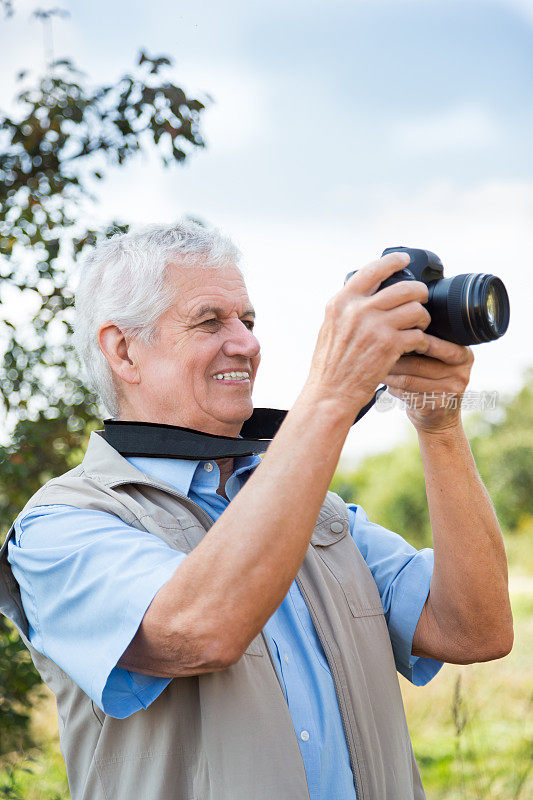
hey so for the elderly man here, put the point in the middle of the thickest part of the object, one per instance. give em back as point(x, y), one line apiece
point(226, 629)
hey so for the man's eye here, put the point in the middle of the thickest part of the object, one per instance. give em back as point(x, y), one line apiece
point(213, 322)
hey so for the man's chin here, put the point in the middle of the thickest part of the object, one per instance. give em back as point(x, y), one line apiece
point(235, 419)
point(223, 420)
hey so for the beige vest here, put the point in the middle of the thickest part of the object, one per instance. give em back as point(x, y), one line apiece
point(228, 735)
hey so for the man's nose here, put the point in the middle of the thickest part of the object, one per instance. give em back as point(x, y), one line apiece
point(241, 341)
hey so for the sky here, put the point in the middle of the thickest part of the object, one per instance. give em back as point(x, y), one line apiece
point(336, 128)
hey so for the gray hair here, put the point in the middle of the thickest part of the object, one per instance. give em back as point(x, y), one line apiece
point(123, 281)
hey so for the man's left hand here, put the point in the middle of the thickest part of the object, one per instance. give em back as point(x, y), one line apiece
point(432, 385)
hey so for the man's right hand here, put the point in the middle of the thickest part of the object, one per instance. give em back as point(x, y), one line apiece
point(365, 331)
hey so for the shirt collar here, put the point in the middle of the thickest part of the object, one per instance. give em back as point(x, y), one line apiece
point(180, 473)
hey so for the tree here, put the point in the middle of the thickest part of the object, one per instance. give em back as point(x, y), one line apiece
point(504, 453)
point(391, 488)
point(7, 5)
point(54, 153)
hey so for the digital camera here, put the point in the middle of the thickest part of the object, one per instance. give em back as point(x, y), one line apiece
point(466, 309)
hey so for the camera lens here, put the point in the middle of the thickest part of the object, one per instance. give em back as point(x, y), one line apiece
point(468, 309)
point(487, 307)
point(492, 306)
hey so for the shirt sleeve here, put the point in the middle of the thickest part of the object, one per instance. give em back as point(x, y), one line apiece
point(402, 575)
point(86, 580)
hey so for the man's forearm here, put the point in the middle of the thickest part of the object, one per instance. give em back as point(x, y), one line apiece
point(224, 592)
point(467, 616)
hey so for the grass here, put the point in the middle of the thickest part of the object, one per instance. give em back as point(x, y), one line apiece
point(42, 775)
point(471, 727)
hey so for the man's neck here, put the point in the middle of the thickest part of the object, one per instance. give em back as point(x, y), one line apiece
point(225, 466)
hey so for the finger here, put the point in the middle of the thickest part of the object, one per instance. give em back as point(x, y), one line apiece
point(448, 352)
point(367, 280)
point(410, 384)
point(424, 366)
point(412, 339)
point(410, 315)
point(400, 293)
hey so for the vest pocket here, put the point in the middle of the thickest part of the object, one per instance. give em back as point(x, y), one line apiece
point(346, 564)
point(153, 774)
point(362, 607)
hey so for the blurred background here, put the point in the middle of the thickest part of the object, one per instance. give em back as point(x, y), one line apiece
point(315, 134)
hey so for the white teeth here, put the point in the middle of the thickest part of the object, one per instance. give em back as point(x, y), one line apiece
point(235, 376)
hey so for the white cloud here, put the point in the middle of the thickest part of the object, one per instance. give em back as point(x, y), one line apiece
point(238, 114)
point(460, 128)
point(524, 7)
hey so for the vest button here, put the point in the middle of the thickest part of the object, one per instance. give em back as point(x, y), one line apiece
point(336, 527)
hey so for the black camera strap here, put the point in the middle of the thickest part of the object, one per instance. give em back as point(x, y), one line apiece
point(155, 440)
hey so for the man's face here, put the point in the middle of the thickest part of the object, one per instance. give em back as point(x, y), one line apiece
point(206, 333)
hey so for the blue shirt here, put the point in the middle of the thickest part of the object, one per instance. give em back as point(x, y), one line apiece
point(87, 578)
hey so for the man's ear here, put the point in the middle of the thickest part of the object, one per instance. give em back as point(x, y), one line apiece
point(119, 353)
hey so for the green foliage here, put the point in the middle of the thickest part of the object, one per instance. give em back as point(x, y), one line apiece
point(40, 449)
point(37, 778)
point(391, 488)
point(472, 727)
point(18, 679)
point(504, 453)
point(54, 152)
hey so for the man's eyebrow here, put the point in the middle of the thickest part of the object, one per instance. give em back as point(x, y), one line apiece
point(218, 312)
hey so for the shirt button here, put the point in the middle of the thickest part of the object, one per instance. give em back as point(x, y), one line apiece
point(304, 736)
point(286, 658)
point(336, 527)
point(208, 466)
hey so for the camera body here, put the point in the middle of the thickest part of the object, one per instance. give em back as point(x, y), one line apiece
point(466, 309)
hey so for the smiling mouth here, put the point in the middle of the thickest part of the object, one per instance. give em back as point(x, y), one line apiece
point(232, 377)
